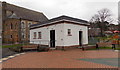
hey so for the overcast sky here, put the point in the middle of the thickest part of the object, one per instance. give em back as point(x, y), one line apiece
point(83, 9)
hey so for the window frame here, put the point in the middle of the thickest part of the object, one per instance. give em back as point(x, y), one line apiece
point(11, 26)
point(69, 32)
point(29, 24)
point(22, 25)
point(34, 35)
point(11, 36)
point(39, 35)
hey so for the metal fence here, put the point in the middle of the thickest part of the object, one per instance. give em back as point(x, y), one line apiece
point(93, 40)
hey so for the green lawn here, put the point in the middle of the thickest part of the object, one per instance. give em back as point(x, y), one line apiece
point(118, 49)
point(8, 46)
point(109, 48)
point(105, 47)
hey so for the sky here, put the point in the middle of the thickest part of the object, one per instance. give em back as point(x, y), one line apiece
point(82, 9)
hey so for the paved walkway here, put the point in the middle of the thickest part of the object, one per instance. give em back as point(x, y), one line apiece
point(61, 59)
point(7, 52)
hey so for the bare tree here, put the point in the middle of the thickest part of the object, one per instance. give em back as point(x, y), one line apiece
point(102, 19)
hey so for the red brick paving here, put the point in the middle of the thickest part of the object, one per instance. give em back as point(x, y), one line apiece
point(60, 59)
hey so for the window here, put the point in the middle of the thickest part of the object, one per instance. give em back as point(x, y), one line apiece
point(16, 26)
point(6, 27)
point(69, 32)
point(10, 36)
point(22, 25)
point(28, 35)
point(34, 35)
point(29, 24)
point(17, 36)
point(39, 35)
point(11, 26)
point(23, 36)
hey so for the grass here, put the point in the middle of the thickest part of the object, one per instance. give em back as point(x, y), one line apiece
point(105, 47)
point(118, 49)
point(9, 46)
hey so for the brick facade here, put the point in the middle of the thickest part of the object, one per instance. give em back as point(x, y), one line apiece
point(12, 18)
point(11, 32)
point(15, 31)
point(25, 33)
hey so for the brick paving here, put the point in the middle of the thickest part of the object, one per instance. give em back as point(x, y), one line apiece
point(60, 59)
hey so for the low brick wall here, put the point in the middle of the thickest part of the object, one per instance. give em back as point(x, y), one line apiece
point(44, 45)
point(30, 46)
point(103, 44)
point(89, 47)
point(66, 47)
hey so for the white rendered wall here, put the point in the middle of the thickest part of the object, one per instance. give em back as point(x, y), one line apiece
point(45, 32)
point(74, 39)
point(61, 34)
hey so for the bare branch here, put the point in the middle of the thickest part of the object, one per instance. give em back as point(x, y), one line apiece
point(104, 14)
point(102, 20)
